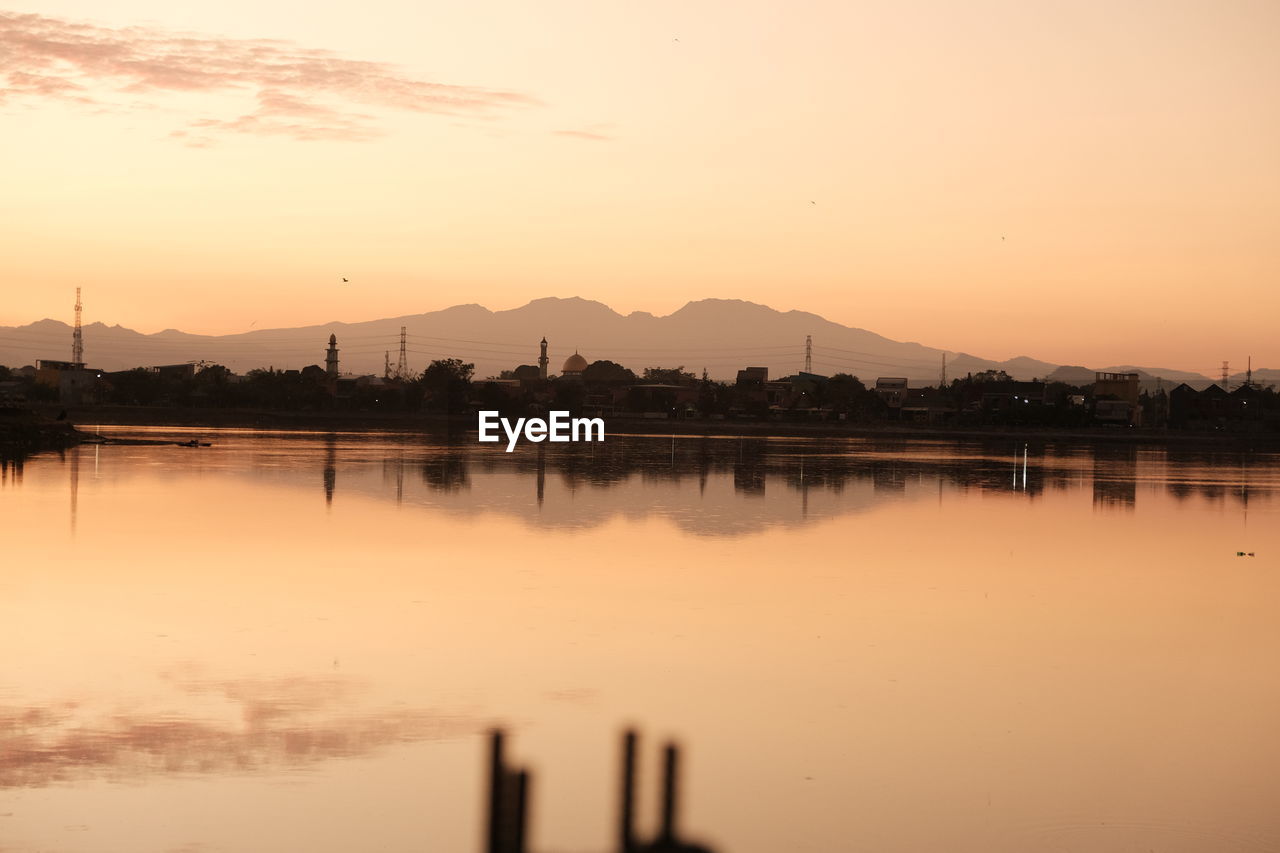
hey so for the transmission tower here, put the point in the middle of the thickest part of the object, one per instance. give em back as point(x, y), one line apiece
point(386, 364)
point(944, 371)
point(402, 366)
point(77, 337)
point(808, 353)
point(1226, 371)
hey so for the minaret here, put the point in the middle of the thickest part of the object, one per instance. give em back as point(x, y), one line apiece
point(542, 361)
point(331, 358)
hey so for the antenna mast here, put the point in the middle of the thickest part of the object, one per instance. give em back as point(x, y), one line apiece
point(402, 367)
point(77, 337)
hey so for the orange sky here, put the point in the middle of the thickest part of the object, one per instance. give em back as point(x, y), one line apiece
point(1089, 183)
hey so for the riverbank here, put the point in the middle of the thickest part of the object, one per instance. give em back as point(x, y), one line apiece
point(99, 416)
point(23, 432)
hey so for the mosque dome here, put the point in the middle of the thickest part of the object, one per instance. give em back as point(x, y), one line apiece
point(574, 364)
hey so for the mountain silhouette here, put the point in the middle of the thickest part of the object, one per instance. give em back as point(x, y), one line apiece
point(720, 335)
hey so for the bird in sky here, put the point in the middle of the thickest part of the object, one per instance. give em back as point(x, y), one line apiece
point(344, 281)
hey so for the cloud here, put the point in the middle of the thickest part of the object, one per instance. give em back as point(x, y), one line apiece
point(280, 723)
point(46, 86)
point(282, 113)
point(593, 133)
point(301, 93)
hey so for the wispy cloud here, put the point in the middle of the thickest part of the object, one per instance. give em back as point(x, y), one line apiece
point(593, 132)
point(302, 93)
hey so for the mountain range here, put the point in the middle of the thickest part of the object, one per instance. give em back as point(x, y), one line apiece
point(720, 335)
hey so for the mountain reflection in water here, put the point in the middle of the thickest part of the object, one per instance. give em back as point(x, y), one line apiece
point(1038, 646)
point(716, 486)
point(713, 486)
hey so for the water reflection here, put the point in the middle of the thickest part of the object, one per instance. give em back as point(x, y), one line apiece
point(734, 476)
point(1115, 477)
point(273, 724)
point(248, 725)
point(742, 484)
point(1034, 641)
point(11, 469)
point(74, 455)
point(330, 468)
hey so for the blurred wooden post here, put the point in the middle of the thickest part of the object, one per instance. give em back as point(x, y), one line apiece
point(627, 841)
point(521, 810)
point(669, 794)
point(508, 802)
point(497, 772)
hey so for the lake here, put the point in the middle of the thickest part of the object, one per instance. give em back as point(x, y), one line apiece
point(297, 641)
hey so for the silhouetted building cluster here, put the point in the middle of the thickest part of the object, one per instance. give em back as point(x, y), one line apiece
point(1247, 407)
point(606, 388)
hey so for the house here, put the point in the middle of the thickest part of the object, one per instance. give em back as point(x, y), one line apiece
point(927, 405)
point(657, 400)
point(1116, 386)
point(1002, 395)
point(175, 371)
point(1191, 408)
point(893, 390)
point(1120, 412)
point(77, 385)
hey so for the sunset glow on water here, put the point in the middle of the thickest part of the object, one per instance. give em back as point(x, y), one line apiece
point(297, 642)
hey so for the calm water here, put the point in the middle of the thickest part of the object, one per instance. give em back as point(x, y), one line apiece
point(294, 642)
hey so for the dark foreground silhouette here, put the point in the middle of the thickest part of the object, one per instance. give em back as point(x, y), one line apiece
point(509, 797)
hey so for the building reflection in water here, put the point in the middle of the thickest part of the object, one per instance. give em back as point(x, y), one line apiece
point(888, 479)
point(1115, 476)
point(542, 474)
point(330, 467)
point(635, 475)
point(446, 473)
point(393, 474)
point(11, 470)
point(749, 468)
point(74, 454)
point(821, 478)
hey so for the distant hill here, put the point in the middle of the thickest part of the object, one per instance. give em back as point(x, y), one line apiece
point(721, 335)
point(1263, 376)
point(1149, 378)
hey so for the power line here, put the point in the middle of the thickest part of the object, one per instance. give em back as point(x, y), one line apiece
point(903, 359)
point(896, 365)
point(520, 347)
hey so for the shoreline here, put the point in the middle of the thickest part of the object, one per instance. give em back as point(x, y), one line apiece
point(26, 433)
point(144, 416)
